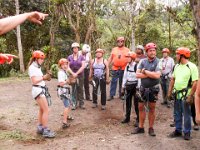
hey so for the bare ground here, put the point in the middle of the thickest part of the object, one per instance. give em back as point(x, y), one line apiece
point(91, 129)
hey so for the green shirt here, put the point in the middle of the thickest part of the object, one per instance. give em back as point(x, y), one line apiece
point(182, 74)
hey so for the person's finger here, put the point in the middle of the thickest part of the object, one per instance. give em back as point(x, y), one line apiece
point(10, 60)
point(3, 56)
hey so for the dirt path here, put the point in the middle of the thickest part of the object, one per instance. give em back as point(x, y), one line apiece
point(91, 129)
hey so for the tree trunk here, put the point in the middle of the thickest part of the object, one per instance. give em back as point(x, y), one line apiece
point(132, 23)
point(195, 5)
point(19, 43)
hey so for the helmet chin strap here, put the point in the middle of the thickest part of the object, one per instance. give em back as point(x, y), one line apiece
point(39, 66)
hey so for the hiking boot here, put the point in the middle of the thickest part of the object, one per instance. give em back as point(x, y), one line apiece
point(39, 129)
point(196, 127)
point(187, 136)
point(136, 124)
point(126, 120)
point(94, 105)
point(151, 132)
point(103, 107)
point(138, 130)
point(172, 124)
point(175, 134)
point(73, 107)
point(111, 98)
point(65, 125)
point(168, 105)
point(47, 133)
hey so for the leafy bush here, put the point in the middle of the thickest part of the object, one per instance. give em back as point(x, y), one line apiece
point(54, 70)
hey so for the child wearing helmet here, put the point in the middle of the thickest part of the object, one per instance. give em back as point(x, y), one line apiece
point(99, 73)
point(64, 89)
point(129, 85)
point(40, 92)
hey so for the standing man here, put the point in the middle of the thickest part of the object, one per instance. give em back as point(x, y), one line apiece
point(167, 64)
point(118, 62)
point(183, 82)
point(149, 72)
point(87, 56)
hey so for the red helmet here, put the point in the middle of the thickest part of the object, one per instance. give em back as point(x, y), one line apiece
point(100, 51)
point(62, 61)
point(38, 54)
point(165, 50)
point(149, 46)
point(183, 51)
point(131, 54)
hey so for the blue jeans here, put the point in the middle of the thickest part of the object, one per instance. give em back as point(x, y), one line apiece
point(116, 74)
point(182, 109)
point(165, 86)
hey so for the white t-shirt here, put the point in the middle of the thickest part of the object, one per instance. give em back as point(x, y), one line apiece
point(35, 70)
point(62, 76)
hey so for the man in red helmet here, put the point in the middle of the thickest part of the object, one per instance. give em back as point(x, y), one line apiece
point(118, 61)
point(183, 84)
point(149, 72)
point(167, 64)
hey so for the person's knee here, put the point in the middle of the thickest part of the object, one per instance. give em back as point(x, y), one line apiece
point(141, 107)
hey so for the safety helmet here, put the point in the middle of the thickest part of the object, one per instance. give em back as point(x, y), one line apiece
point(38, 54)
point(100, 51)
point(131, 54)
point(165, 50)
point(75, 44)
point(62, 61)
point(121, 38)
point(183, 51)
point(140, 47)
point(86, 48)
point(149, 46)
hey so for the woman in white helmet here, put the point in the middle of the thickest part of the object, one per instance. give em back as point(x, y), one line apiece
point(87, 56)
point(77, 65)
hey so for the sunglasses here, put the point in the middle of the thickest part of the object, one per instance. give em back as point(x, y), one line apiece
point(120, 41)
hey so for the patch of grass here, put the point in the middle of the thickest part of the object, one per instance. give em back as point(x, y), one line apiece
point(14, 135)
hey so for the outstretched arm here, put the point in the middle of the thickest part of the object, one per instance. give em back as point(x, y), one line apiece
point(9, 23)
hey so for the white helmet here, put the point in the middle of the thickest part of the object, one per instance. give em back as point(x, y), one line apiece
point(140, 47)
point(86, 48)
point(75, 45)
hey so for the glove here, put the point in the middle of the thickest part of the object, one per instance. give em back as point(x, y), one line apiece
point(47, 77)
point(190, 100)
point(123, 92)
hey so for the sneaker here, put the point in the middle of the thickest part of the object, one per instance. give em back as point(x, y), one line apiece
point(111, 98)
point(126, 120)
point(39, 129)
point(196, 127)
point(73, 107)
point(94, 105)
point(151, 132)
point(103, 107)
point(187, 136)
point(138, 130)
point(48, 133)
point(82, 107)
point(70, 118)
point(168, 106)
point(175, 134)
point(65, 125)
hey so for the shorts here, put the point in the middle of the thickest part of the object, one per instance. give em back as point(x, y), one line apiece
point(36, 92)
point(66, 102)
point(149, 94)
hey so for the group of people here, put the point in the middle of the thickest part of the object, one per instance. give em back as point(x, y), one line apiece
point(139, 74)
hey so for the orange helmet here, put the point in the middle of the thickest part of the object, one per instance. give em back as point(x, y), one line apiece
point(183, 51)
point(165, 50)
point(62, 61)
point(38, 54)
point(131, 54)
point(149, 46)
point(100, 51)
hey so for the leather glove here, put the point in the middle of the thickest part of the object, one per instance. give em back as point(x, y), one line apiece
point(190, 100)
point(47, 77)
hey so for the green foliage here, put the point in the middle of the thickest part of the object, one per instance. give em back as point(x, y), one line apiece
point(54, 70)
